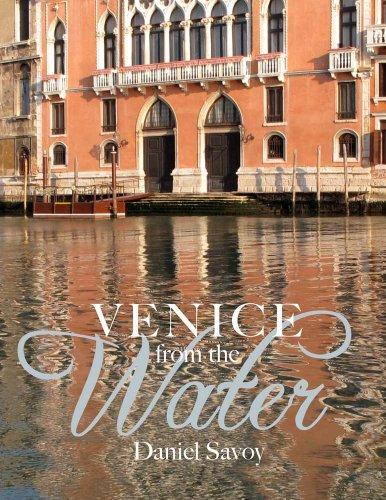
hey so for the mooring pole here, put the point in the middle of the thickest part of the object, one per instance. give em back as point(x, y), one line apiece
point(25, 167)
point(45, 176)
point(318, 165)
point(346, 180)
point(294, 181)
point(76, 170)
point(114, 181)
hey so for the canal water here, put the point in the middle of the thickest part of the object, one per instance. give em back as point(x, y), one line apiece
point(51, 273)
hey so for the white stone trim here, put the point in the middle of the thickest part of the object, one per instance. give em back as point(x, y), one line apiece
point(265, 148)
point(51, 155)
point(51, 46)
point(336, 158)
point(100, 39)
point(102, 146)
point(264, 26)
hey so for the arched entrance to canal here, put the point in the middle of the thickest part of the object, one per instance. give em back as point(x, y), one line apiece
point(222, 145)
point(159, 148)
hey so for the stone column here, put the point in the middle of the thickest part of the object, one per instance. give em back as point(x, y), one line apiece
point(100, 63)
point(207, 21)
point(166, 28)
point(249, 33)
point(229, 22)
point(127, 46)
point(186, 25)
point(146, 30)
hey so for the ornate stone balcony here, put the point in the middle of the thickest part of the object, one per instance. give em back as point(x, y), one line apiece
point(104, 80)
point(272, 66)
point(343, 61)
point(55, 85)
point(376, 37)
point(181, 72)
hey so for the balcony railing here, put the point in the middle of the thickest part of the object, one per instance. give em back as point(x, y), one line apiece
point(343, 61)
point(376, 36)
point(201, 71)
point(104, 81)
point(55, 85)
point(272, 66)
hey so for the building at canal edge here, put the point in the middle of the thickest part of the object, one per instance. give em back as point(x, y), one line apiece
point(195, 96)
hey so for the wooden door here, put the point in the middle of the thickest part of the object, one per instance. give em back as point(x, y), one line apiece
point(159, 157)
point(222, 155)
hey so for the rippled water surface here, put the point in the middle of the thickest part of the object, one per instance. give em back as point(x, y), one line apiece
point(50, 273)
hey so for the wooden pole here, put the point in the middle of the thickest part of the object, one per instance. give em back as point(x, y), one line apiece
point(346, 180)
point(45, 176)
point(294, 182)
point(76, 170)
point(25, 165)
point(318, 165)
point(114, 181)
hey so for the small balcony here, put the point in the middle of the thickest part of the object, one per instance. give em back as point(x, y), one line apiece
point(104, 80)
point(272, 66)
point(343, 61)
point(55, 85)
point(376, 37)
point(181, 72)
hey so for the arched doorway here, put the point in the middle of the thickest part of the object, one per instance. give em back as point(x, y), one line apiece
point(159, 148)
point(222, 145)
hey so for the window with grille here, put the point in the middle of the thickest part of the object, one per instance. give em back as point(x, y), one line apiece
point(108, 157)
point(350, 141)
point(276, 147)
point(346, 101)
point(58, 126)
point(59, 155)
point(274, 105)
point(109, 115)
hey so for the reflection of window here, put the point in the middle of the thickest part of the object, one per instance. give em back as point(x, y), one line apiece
point(156, 38)
point(275, 26)
point(197, 33)
point(350, 141)
point(109, 115)
point(108, 157)
point(219, 31)
point(59, 155)
point(110, 42)
point(240, 29)
point(24, 19)
point(25, 84)
point(346, 104)
point(159, 116)
point(274, 104)
point(58, 118)
point(59, 49)
point(223, 112)
point(138, 42)
point(176, 35)
point(348, 23)
point(276, 147)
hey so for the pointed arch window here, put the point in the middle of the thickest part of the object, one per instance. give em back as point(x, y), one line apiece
point(223, 113)
point(25, 90)
point(176, 35)
point(159, 116)
point(59, 49)
point(110, 42)
point(276, 26)
point(240, 29)
point(197, 33)
point(138, 41)
point(156, 38)
point(348, 23)
point(219, 31)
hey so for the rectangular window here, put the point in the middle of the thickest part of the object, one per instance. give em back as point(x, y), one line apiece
point(274, 105)
point(58, 127)
point(24, 19)
point(109, 115)
point(382, 80)
point(383, 11)
point(346, 105)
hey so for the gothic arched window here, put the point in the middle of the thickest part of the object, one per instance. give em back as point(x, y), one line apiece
point(110, 42)
point(223, 113)
point(197, 33)
point(276, 26)
point(138, 43)
point(159, 116)
point(156, 38)
point(240, 29)
point(59, 54)
point(219, 31)
point(176, 35)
